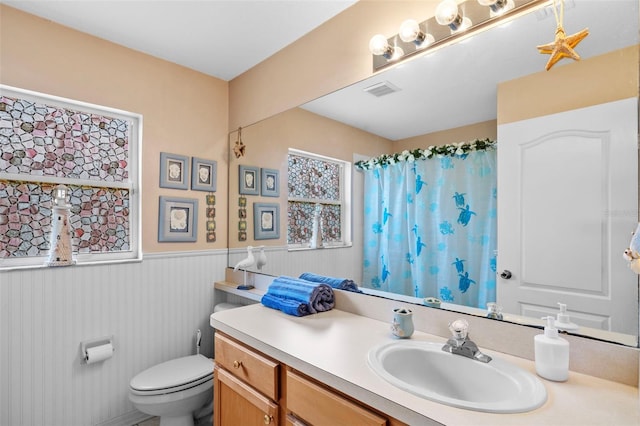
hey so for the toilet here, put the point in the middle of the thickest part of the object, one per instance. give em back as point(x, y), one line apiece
point(174, 390)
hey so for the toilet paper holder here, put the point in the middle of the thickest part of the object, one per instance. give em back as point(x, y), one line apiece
point(92, 343)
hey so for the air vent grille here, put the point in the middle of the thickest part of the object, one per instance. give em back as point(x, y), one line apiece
point(381, 89)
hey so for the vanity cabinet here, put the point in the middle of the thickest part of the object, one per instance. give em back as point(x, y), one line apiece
point(246, 387)
point(316, 405)
point(253, 389)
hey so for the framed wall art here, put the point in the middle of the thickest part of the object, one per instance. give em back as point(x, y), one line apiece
point(203, 174)
point(266, 221)
point(249, 180)
point(174, 171)
point(178, 219)
point(270, 181)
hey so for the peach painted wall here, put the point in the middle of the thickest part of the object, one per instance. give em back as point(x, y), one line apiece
point(570, 85)
point(185, 112)
point(267, 144)
point(332, 56)
point(483, 130)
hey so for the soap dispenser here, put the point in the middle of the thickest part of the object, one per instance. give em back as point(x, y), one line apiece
point(564, 320)
point(551, 353)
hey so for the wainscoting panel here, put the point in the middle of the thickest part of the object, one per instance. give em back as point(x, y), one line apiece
point(152, 308)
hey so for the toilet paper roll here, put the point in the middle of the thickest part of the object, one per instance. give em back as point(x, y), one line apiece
point(99, 353)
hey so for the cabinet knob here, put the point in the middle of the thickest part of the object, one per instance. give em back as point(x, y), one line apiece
point(237, 364)
point(267, 419)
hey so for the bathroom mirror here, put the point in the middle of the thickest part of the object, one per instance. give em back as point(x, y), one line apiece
point(440, 93)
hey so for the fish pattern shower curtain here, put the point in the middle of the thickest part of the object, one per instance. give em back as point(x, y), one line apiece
point(430, 227)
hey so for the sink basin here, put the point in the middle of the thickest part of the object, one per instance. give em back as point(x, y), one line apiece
point(425, 370)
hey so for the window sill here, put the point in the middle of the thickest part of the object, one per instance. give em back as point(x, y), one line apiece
point(328, 247)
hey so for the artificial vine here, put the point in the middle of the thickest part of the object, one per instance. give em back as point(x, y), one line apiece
point(452, 150)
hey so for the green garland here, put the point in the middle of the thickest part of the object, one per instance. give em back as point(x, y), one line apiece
point(451, 150)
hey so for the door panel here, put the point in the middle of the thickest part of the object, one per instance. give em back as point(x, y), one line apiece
point(568, 202)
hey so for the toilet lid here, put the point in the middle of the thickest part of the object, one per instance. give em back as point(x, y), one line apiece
point(174, 373)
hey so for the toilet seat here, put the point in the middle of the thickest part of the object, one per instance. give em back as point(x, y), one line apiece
point(173, 376)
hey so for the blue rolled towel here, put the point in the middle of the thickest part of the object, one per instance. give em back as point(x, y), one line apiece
point(339, 283)
point(295, 295)
point(288, 306)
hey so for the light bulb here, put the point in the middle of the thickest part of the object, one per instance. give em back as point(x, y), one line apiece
point(447, 13)
point(378, 45)
point(498, 7)
point(409, 31)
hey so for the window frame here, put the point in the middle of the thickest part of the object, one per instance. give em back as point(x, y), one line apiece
point(346, 203)
point(133, 184)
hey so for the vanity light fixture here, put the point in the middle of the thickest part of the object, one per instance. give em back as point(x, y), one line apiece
point(448, 14)
point(453, 20)
point(379, 46)
point(410, 32)
point(498, 7)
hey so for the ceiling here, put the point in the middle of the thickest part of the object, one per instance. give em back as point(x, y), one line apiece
point(221, 38)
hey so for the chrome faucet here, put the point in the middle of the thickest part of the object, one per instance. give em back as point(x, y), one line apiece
point(460, 344)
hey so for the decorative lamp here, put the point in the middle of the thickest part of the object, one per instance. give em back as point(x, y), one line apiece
point(60, 247)
point(447, 13)
point(410, 32)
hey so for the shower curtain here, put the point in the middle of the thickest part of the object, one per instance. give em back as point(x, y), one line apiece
point(430, 226)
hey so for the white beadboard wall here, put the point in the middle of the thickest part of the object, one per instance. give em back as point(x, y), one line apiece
point(152, 308)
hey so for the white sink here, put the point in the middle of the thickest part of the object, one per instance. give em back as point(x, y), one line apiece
point(425, 370)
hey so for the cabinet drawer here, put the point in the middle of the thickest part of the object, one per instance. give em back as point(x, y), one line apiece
point(248, 365)
point(318, 406)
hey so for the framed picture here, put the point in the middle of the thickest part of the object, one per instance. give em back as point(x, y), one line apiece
point(211, 225)
point(211, 237)
point(211, 200)
point(242, 236)
point(174, 171)
point(242, 225)
point(242, 201)
point(203, 174)
point(211, 212)
point(270, 180)
point(249, 180)
point(266, 221)
point(178, 220)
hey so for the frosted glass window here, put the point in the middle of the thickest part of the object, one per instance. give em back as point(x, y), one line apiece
point(312, 180)
point(46, 141)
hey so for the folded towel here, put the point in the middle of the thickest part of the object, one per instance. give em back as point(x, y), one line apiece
point(339, 283)
point(298, 297)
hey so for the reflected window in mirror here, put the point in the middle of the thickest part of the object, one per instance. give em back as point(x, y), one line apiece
point(319, 201)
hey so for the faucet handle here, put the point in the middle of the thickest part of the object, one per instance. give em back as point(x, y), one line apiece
point(459, 329)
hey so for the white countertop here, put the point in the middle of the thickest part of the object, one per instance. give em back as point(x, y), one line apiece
point(332, 347)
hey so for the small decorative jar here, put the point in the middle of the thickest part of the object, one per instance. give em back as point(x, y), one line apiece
point(402, 325)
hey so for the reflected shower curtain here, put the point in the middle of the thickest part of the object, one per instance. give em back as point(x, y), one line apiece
point(430, 228)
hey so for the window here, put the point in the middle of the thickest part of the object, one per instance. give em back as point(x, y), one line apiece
point(322, 183)
point(93, 150)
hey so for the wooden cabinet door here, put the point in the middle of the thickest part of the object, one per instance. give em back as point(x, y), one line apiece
point(236, 403)
point(317, 405)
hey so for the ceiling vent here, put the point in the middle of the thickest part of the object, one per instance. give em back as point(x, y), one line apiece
point(381, 89)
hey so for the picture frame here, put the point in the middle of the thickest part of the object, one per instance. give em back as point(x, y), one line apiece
point(242, 236)
point(203, 174)
point(249, 180)
point(211, 200)
point(266, 221)
point(211, 237)
point(178, 219)
point(242, 202)
point(174, 171)
point(270, 182)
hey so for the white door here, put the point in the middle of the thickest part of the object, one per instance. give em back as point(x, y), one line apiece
point(567, 205)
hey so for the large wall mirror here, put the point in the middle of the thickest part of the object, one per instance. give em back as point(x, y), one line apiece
point(479, 88)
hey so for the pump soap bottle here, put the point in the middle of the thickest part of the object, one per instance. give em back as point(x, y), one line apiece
point(551, 354)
